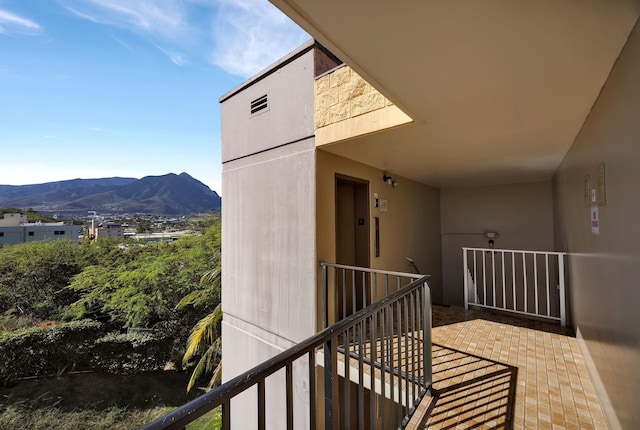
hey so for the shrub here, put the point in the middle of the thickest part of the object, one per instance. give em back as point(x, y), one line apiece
point(53, 348)
point(48, 348)
point(133, 352)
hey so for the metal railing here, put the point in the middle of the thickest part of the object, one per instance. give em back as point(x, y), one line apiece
point(524, 282)
point(347, 289)
point(381, 354)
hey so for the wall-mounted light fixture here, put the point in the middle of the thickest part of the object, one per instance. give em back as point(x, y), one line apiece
point(491, 235)
point(389, 180)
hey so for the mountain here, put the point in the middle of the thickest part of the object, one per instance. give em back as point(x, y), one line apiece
point(169, 194)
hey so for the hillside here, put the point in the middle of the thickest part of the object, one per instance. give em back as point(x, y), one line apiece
point(169, 194)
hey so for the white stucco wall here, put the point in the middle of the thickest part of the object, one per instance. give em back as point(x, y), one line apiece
point(268, 232)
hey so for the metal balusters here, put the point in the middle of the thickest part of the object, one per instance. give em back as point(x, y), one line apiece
point(526, 270)
point(383, 338)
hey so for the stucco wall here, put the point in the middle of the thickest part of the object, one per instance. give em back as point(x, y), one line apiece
point(522, 214)
point(289, 116)
point(604, 268)
point(268, 229)
point(410, 227)
point(268, 238)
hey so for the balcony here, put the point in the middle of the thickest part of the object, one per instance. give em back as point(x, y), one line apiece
point(491, 370)
point(400, 363)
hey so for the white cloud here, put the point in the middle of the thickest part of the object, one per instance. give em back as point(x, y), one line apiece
point(165, 23)
point(240, 36)
point(11, 23)
point(252, 34)
point(176, 58)
point(163, 18)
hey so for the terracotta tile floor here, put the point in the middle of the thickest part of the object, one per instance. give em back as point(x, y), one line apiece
point(492, 371)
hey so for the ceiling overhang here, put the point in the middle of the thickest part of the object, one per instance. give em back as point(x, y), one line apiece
point(497, 89)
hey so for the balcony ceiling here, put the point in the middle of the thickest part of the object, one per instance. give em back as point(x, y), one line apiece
point(498, 89)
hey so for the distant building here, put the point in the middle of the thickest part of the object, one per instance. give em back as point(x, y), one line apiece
point(14, 229)
point(13, 220)
point(106, 229)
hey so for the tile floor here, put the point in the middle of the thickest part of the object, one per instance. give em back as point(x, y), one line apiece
point(492, 371)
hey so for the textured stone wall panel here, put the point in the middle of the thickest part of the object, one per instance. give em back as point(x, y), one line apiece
point(367, 103)
point(343, 94)
point(354, 88)
point(322, 84)
point(322, 118)
point(340, 112)
point(340, 77)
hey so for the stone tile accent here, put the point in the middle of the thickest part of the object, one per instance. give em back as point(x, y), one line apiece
point(367, 103)
point(343, 94)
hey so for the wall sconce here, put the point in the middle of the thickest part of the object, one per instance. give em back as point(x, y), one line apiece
point(491, 235)
point(389, 180)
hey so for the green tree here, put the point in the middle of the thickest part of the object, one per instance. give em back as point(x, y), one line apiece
point(204, 340)
point(146, 284)
point(33, 277)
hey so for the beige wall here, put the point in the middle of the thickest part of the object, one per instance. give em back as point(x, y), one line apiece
point(411, 227)
point(605, 268)
point(522, 214)
point(13, 220)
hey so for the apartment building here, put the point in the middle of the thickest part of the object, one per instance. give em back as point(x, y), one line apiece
point(14, 228)
point(447, 121)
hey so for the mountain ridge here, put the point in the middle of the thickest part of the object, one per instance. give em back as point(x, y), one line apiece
point(168, 194)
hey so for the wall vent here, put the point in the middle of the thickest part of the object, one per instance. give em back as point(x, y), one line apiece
point(259, 104)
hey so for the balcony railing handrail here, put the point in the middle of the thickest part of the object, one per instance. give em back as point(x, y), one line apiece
point(376, 271)
point(222, 395)
point(498, 283)
point(520, 251)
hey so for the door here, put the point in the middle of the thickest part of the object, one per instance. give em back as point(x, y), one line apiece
point(352, 241)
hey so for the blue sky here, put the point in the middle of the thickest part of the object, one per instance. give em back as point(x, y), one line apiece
point(99, 88)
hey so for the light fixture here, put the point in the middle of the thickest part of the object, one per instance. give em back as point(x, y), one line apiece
point(491, 235)
point(389, 180)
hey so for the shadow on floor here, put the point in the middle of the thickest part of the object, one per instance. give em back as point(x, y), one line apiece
point(445, 315)
point(470, 391)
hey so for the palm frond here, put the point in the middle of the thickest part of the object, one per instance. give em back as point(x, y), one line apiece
point(211, 277)
point(216, 378)
point(194, 297)
point(205, 365)
point(203, 334)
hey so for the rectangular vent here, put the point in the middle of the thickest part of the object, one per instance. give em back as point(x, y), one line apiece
point(259, 104)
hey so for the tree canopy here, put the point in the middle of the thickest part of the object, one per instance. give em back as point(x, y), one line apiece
point(128, 284)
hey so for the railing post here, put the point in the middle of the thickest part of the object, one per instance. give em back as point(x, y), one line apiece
point(465, 271)
point(426, 335)
point(391, 328)
point(331, 400)
point(325, 296)
point(563, 311)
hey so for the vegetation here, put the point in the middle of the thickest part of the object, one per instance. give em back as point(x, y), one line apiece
point(113, 307)
point(32, 216)
point(94, 401)
point(204, 340)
